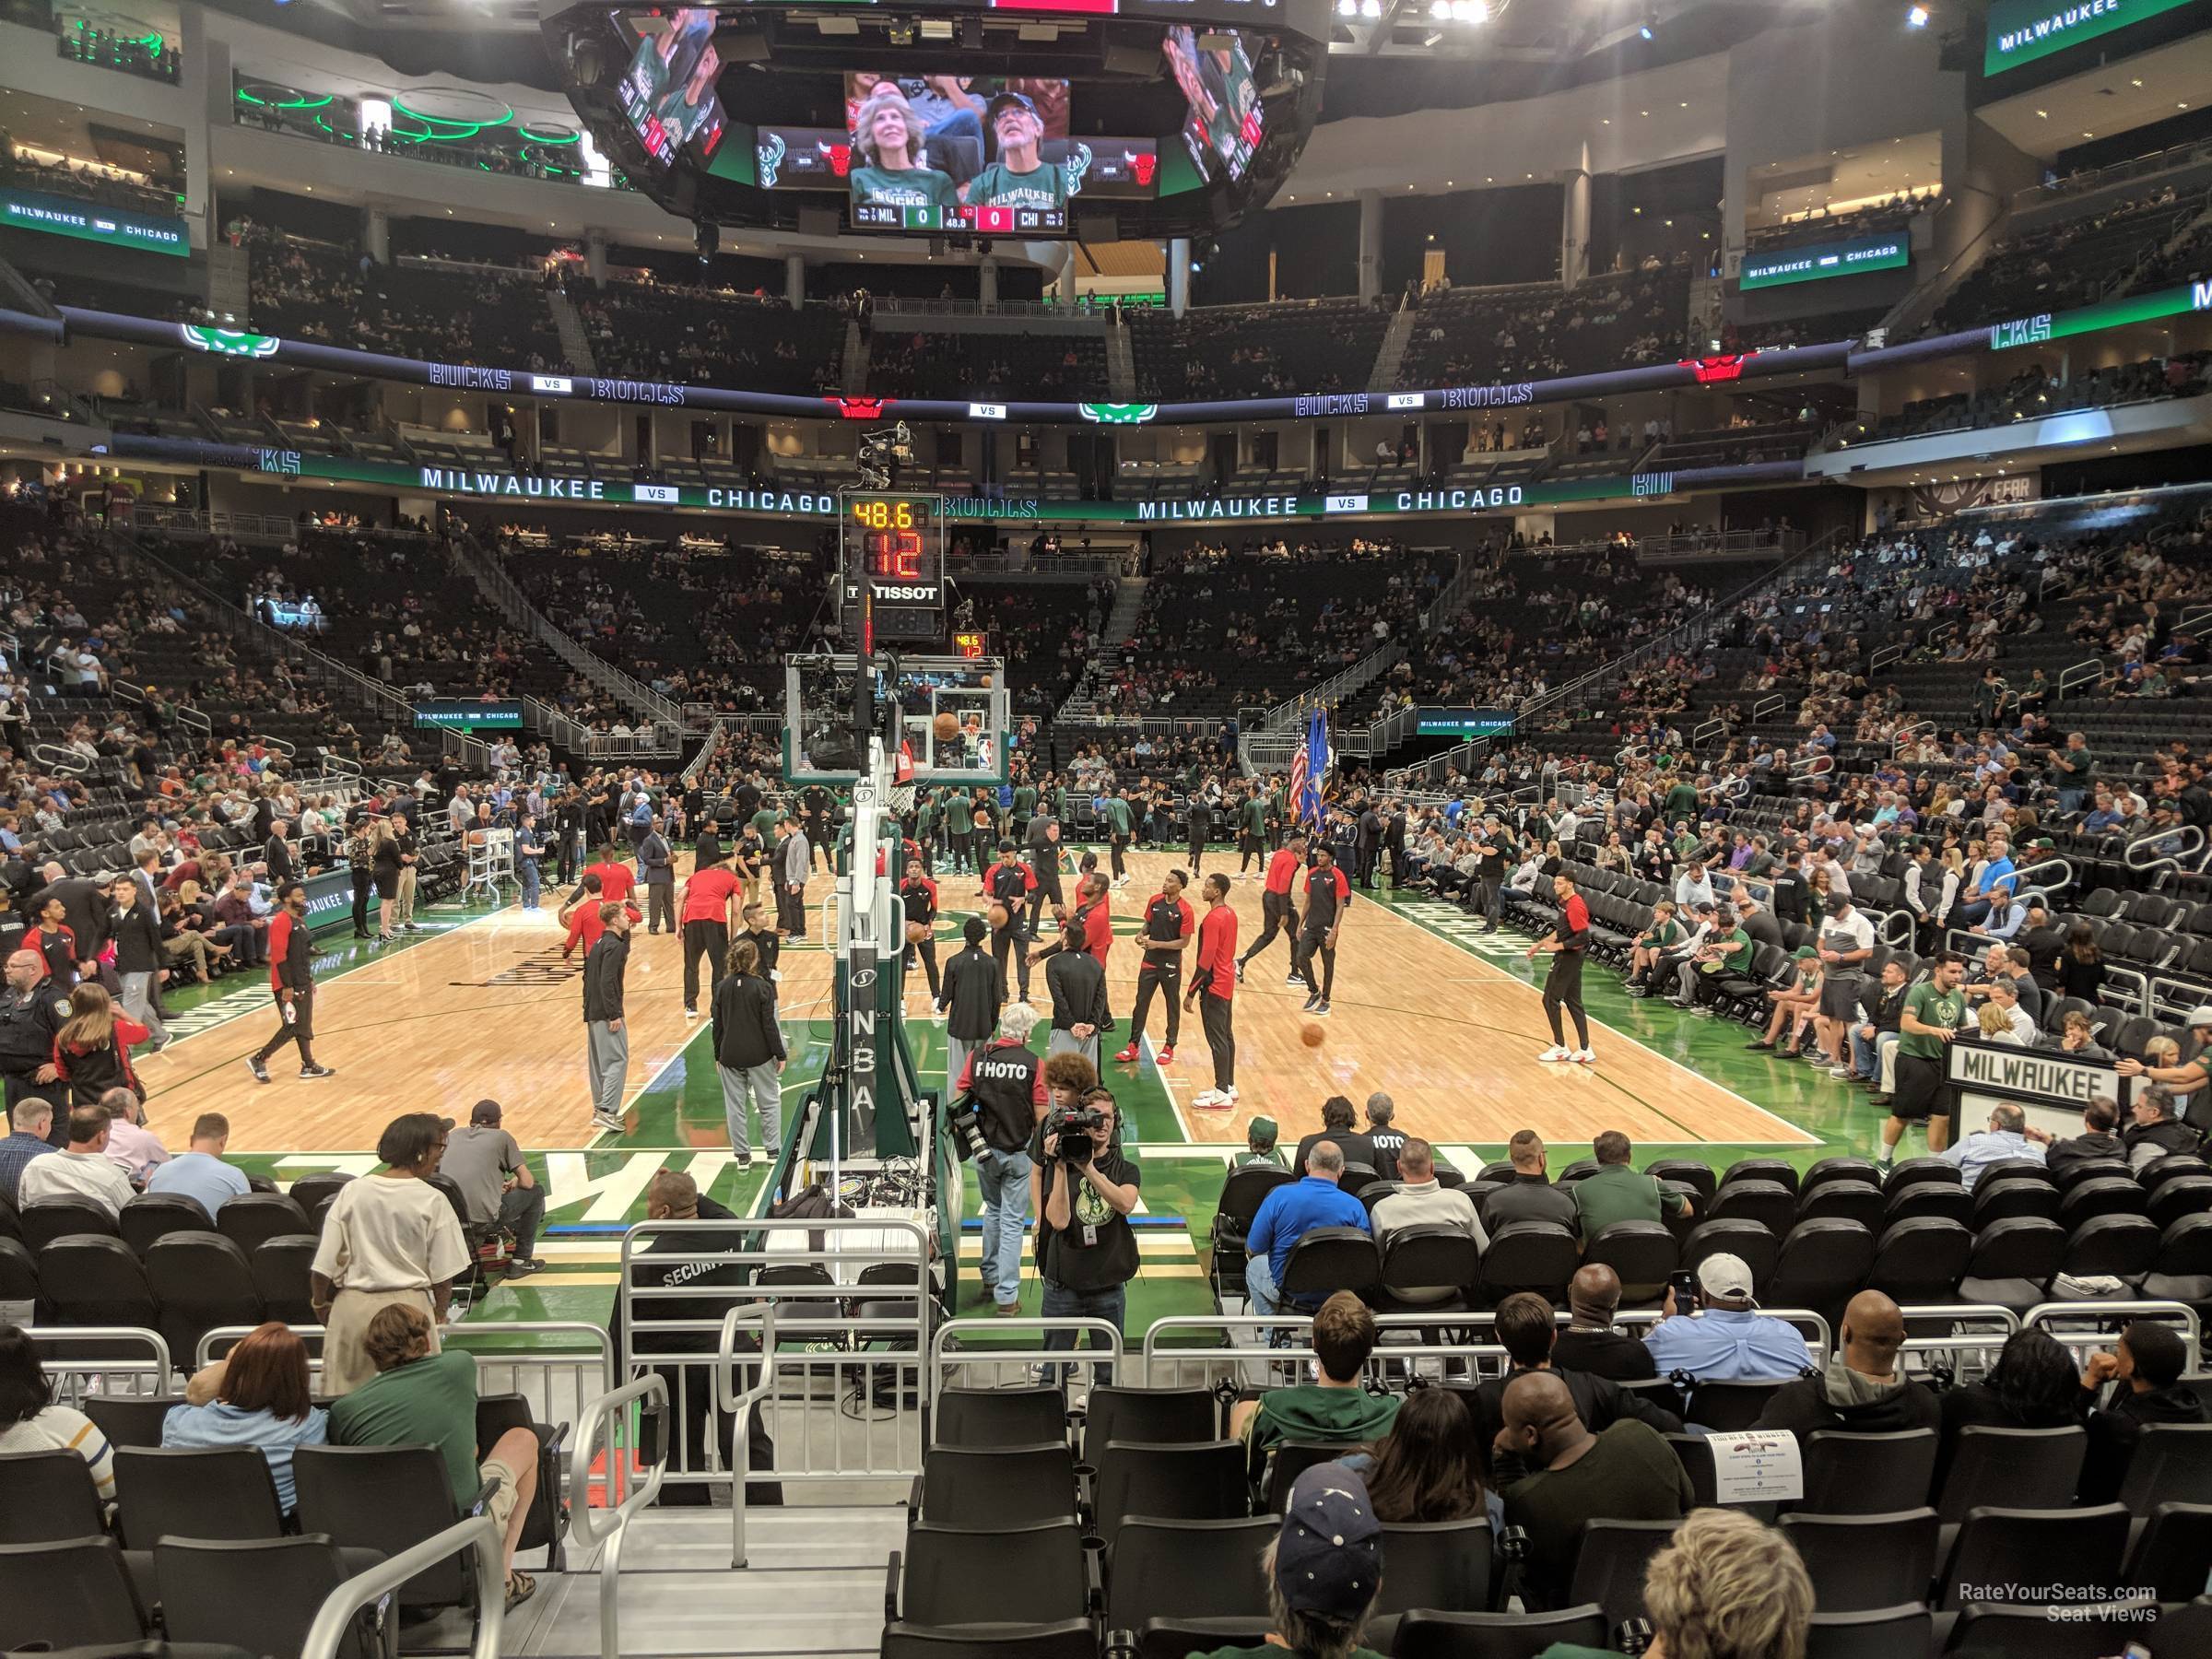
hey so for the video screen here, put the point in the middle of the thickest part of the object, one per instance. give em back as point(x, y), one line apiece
point(1221, 100)
point(668, 91)
point(954, 152)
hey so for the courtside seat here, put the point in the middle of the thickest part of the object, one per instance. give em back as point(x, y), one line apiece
point(2106, 1196)
point(154, 1216)
point(1528, 1255)
point(2012, 1261)
point(88, 1279)
point(2182, 1272)
point(2124, 1247)
point(1860, 1172)
point(252, 1219)
point(1425, 1258)
point(45, 1221)
point(1857, 1201)
point(1240, 1202)
point(1760, 1249)
point(1927, 1198)
point(1692, 1172)
point(1641, 1252)
point(1910, 1171)
point(1769, 1203)
point(1822, 1263)
point(1761, 1168)
point(1329, 1259)
point(2187, 1195)
point(203, 1282)
point(1996, 1198)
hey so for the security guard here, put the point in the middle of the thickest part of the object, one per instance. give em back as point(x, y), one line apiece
point(30, 1018)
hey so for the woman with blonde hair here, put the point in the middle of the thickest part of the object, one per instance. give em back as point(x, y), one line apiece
point(92, 1049)
point(889, 138)
point(383, 858)
point(1726, 1587)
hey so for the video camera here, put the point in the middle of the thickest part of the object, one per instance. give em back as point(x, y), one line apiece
point(883, 451)
point(1073, 1124)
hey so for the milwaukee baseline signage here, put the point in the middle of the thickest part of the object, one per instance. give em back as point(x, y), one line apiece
point(2177, 302)
point(2033, 1076)
point(1812, 262)
point(2020, 31)
point(91, 221)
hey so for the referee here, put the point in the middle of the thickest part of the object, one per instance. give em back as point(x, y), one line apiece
point(1277, 909)
point(1569, 939)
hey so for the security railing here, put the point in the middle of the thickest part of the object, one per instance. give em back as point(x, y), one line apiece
point(476, 1534)
point(610, 1427)
point(1004, 1357)
point(82, 1360)
point(738, 1400)
point(558, 1366)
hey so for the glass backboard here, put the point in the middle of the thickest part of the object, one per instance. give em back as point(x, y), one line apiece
point(970, 746)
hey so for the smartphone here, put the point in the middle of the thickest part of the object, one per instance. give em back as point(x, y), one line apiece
point(1685, 1287)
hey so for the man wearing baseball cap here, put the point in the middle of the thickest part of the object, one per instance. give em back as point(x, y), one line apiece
point(1726, 1338)
point(1020, 177)
point(1260, 1149)
point(1323, 1570)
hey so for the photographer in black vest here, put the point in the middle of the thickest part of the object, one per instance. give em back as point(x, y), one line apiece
point(1003, 1085)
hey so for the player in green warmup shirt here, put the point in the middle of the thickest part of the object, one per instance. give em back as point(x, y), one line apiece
point(888, 134)
point(1118, 823)
point(1021, 178)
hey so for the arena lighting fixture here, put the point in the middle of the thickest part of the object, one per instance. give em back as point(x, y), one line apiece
point(901, 31)
point(1371, 9)
point(936, 28)
point(1916, 16)
point(1649, 26)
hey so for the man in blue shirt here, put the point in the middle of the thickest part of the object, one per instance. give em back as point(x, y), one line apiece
point(1726, 1340)
point(200, 1172)
point(2005, 1138)
point(1287, 1214)
point(1996, 884)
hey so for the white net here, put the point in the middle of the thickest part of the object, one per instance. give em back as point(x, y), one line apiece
point(900, 799)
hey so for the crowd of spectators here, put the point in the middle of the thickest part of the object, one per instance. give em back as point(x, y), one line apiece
point(1894, 211)
point(715, 337)
point(1475, 335)
point(2065, 262)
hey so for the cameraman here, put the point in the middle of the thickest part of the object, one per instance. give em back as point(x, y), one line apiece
point(1083, 1190)
point(1004, 1080)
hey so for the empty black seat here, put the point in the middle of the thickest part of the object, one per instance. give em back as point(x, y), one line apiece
point(2168, 1560)
point(1865, 1560)
point(1000, 1417)
point(1769, 1203)
point(1759, 1247)
point(1858, 1172)
point(1729, 1406)
point(1202, 1481)
point(1426, 1635)
point(2078, 1547)
point(1641, 1252)
point(1899, 1632)
point(1920, 1260)
point(1986, 1631)
point(88, 1279)
point(1924, 1199)
point(1043, 1576)
point(1529, 1256)
point(1329, 1259)
point(280, 1268)
point(2190, 1195)
point(153, 1216)
point(1062, 1639)
point(1153, 1416)
point(1444, 1565)
point(2012, 1261)
point(1857, 1201)
point(1187, 1569)
point(1000, 1486)
point(211, 1493)
point(260, 1593)
point(2015, 1468)
point(46, 1496)
point(1823, 1262)
point(1912, 1172)
point(19, 1272)
point(68, 1593)
point(313, 1194)
point(2171, 1463)
point(2106, 1196)
point(1869, 1474)
point(1610, 1564)
point(203, 1282)
point(2000, 1199)
point(129, 1420)
point(1778, 1170)
point(44, 1220)
point(2116, 1246)
point(250, 1220)
point(1436, 1257)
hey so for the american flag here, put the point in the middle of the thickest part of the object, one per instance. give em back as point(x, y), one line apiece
point(1298, 774)
point(1309, 766)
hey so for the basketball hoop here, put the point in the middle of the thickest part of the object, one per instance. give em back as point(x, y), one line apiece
point(900, 799)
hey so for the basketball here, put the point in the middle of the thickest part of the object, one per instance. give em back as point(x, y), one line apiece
point(1309, 1034)
point(946, 727)
point(916, 932)
point(999, 917)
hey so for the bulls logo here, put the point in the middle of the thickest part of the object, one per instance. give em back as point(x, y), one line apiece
point(859, 408)
point(1142, 167)
point(1726, 366)
point(839, 157)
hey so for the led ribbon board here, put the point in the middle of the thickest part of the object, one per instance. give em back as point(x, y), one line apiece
point(1813, 262)
point(2020, 31)
point(89, 221)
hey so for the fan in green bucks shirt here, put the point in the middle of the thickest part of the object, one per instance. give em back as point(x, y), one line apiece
point(1021, 178)
point(889, 136)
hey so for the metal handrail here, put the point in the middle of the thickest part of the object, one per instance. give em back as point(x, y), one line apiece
point(740, 1405)
point(502, 588)
point(333, 1620)
point(2163, 861)
point(609, 1526)
point(1379, 661)
point(2080, 674)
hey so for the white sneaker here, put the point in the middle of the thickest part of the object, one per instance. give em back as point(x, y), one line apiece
point(691, 1014)
point(1208, 1100)
point(1556, 1053)
point(1228, 1096)
point(1839, 1071)
point(613, 1125)
point(1584, 1058)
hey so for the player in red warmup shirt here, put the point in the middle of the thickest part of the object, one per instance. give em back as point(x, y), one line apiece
point(1278, 909)
point(1569, 939)
point(1213, 985)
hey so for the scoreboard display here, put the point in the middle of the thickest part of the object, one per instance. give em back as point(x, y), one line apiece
point(892, 546)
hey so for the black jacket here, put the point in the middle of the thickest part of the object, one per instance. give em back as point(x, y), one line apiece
point(1609, 1354)
point(2064, 1155)
point(971, 990)
point(1357, 1149)
point(2114, 1429)
point(137, 934)
point(28, 1028)
point(604, 970)
point(746, 1033)
point(1077, 984)
point(1815, 1403)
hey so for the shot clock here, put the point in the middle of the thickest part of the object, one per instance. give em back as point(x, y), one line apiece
point(894, 543)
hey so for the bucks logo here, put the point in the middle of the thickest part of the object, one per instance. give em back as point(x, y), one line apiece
point(770, 152)
point(229, 342)
point(1113, 413)
point(1077, 165)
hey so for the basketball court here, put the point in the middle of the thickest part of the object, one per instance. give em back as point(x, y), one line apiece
point(487, 1007)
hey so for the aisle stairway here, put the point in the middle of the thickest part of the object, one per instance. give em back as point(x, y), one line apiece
point(576, 343)
point(852, 368)
point(1390, 356)
point(1121, 621)
point(1121, 364)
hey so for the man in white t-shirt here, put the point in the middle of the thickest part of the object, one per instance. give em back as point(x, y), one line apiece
point(1846, 941)
point(81, 1170)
